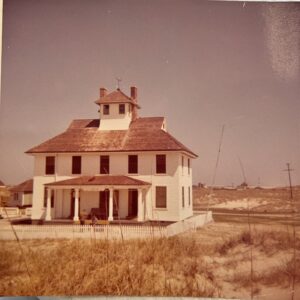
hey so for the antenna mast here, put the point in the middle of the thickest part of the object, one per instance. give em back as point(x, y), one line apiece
point(118, 82)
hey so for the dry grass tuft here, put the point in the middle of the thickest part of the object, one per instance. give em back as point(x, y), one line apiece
point(159, 267)
point(194, 264)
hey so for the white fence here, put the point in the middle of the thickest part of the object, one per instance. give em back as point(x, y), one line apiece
point(81, 231)
point(28, 211)
point(9, 211)
point(191, 223)
point(12, 212)
point(102, 231)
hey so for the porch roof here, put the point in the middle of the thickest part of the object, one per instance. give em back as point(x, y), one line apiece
point(115, 180)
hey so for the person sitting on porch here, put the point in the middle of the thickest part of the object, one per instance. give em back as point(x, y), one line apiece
point(94, 220)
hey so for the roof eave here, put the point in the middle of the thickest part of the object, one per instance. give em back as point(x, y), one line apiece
point(105, 151)
point(99, 102)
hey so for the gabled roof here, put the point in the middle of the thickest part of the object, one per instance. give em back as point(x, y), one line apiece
point(100, 180)
point(26, 186)
point(1, 183)
point(116, 97)
point(144, 134)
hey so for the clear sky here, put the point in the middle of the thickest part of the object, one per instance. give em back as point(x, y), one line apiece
point(200, 64)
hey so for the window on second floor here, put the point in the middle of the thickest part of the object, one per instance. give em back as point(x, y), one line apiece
point(106, 109)
point(161, 164)
point(76, 164)
point(132, 164)
point(50, 165)
point(189, 166)
point(122, 109)
point(104, 164)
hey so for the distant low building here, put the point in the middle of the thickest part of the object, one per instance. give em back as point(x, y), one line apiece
point(21, 194)
point(201, 185)
point(4, 194)
point(243, 186)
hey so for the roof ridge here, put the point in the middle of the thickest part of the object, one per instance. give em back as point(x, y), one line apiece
point(119, 90)
point(84, 119)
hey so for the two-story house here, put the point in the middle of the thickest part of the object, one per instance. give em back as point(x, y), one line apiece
point(126, 166)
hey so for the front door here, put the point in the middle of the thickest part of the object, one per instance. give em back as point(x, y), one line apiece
point(104, 204)
point(116, 203)
point(132, 203)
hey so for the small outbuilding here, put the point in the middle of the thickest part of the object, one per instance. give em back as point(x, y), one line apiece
point(21, 194)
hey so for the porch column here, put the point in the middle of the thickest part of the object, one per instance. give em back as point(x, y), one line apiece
point(111, 195)
point(48, 209)
point(140, 206)
point(76, 208)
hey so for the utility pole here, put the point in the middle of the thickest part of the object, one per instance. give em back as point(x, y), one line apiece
point(243, 170)
point(290, 181)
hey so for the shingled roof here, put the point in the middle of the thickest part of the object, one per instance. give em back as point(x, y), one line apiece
point(144, 134)
point(99, 180)
point(26, 186)
point(116, 97)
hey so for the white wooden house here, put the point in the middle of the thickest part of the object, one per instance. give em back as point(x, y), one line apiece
point(120, 166)
point(21, 194)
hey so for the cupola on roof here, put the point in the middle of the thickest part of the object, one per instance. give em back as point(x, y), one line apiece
point(116, 96)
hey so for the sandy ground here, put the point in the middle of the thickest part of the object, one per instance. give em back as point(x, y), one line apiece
point(233, 268)
point(258, 200)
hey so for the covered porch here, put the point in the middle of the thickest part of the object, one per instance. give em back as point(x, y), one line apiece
point(110, 198)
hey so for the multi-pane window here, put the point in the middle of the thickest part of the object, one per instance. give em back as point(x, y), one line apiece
point(189, 166)
point(76, 164)
point(104, 164)
point(46, 195)
point(132, 164)
point(106, 109)
point(183, 196)
point(121, 109)
point(161, 197)
point(161, 164)
point(50, 165)
point(189, 195)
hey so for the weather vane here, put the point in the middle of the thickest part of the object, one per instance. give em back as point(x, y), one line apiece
point(118, 82)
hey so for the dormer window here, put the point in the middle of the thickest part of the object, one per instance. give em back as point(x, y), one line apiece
point(121, 109)
point(106, 109)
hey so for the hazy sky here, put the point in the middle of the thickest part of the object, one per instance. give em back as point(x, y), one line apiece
point(199, 64)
